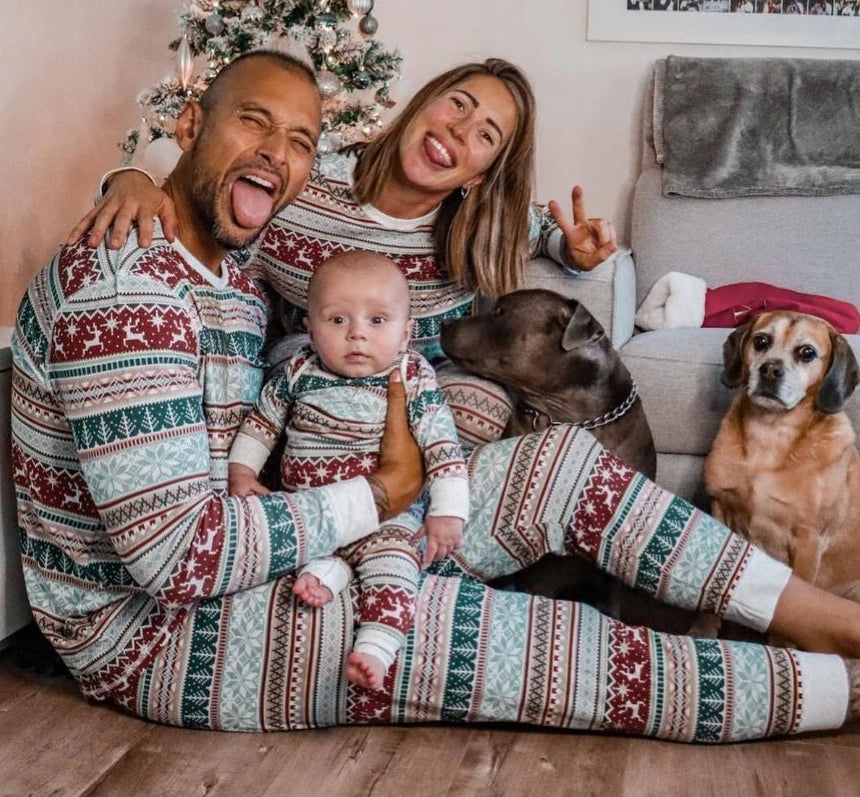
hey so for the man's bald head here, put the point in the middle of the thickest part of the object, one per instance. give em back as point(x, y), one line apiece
point(210, 98)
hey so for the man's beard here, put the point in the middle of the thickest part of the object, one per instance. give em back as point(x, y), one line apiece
point(204, 197)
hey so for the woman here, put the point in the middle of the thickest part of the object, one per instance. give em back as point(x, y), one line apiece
point(456, 165)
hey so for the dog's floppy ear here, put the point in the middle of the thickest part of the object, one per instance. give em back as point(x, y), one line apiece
point(841, 378)
point(582, 327)
point(733, 362)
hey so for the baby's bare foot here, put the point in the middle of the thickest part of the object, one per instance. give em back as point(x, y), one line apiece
point(311, 590)
point(365, 670)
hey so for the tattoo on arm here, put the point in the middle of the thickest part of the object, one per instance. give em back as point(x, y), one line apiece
point(380, 496)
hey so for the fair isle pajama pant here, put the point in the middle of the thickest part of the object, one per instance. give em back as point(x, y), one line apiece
point(260, 660)
point(386, 565)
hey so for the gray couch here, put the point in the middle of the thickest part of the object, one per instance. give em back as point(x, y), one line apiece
point(809, 244)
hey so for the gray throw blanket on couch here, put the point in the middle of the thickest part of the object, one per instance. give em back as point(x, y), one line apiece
point(728, 127)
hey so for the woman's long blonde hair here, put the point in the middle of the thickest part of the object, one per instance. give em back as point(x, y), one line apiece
point(482, 240)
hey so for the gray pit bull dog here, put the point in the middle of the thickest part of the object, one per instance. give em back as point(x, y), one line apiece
point(557, 362)
point(555, 359)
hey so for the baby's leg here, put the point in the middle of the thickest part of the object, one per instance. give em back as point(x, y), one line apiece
point(387, 565)
point(321, 579)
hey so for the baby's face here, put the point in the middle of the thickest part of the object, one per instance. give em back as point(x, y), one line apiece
point(359, 320)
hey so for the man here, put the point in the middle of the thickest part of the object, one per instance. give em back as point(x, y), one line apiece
point(132, 371)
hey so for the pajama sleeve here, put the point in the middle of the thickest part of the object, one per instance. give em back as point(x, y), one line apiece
point(264, 425)
point(433, 428)
point(546, 239)
point(137, 444)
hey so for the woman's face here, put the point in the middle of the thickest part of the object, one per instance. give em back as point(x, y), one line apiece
point(454, 140)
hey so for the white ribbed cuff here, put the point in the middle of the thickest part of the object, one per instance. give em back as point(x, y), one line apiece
point(754, 600)
point(449, 497)
point(351, 503)
point(376, 643)
point(331, 571)
point(826, 691)
point(247, 450)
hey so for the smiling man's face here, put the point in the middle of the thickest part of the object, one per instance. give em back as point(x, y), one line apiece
point(254, 151)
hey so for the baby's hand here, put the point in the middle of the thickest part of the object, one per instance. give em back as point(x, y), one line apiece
point(241, 480)
point(444, 534)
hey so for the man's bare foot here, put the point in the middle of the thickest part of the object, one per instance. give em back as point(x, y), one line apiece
point(310, 589)
point(365, 670)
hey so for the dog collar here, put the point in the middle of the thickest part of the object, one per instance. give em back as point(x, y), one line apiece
point(593, 423)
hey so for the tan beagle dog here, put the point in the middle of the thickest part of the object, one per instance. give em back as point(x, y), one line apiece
point(784, 470)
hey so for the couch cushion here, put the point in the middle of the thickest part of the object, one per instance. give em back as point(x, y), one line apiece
point(678, 373)
point(808, 244)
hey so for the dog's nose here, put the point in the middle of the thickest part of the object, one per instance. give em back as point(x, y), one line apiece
point(772, 369)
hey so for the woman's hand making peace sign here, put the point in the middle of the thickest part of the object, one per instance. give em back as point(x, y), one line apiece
point(589, 241)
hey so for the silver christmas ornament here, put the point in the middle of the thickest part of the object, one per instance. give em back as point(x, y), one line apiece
point(214, 24)
point(328, 143)
point(359, 7)
point(368, 25)
point(185, 61)
point(328, 83)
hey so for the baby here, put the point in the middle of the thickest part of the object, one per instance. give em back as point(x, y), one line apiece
point(330, 399)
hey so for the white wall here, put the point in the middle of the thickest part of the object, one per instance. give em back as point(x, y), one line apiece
point(70, 80)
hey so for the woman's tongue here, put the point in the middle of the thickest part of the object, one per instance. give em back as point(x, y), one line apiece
point(253, 206)
point(435, 156)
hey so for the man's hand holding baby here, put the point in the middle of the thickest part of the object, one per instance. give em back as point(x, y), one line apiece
point(242, 480)
point(444, 535)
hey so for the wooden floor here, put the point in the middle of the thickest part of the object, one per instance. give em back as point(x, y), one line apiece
point(53, 742)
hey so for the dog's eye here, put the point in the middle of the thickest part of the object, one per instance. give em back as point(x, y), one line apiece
point(497, 310)
point(806, 354)
point(761, 341)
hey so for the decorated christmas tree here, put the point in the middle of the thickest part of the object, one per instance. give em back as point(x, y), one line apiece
point(354, 72)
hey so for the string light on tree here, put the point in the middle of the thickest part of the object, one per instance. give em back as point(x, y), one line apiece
point(354, 71)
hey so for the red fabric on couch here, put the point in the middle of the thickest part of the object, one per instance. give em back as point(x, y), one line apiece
point(731, 305)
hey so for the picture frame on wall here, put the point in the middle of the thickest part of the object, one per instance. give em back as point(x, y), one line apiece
point(783, 23)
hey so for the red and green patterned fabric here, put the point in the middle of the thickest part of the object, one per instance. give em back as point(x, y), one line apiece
point(132, 371)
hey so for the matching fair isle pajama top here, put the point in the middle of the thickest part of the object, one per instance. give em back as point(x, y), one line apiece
point(132, 371)
point(332, 426)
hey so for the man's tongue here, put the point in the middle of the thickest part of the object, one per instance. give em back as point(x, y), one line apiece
point(252, 205)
